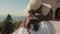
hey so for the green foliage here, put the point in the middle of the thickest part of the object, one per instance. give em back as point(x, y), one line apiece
point(8, 25)
point(0, 29)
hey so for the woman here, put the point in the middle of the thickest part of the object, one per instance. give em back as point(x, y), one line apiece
point(36, 21)
point(37, 25)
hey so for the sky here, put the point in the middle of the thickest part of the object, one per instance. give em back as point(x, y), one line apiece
point(13, 7)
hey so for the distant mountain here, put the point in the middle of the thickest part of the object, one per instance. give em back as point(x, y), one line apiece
point(16, 18)
point(2, 18)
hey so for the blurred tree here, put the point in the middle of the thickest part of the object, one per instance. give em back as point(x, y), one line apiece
point(0, 29)
point(8, 25)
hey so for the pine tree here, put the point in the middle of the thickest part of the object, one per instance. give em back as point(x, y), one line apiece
point(8, 25)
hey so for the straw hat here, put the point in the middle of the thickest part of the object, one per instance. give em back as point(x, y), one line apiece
point(46, 9)
point(33, 4)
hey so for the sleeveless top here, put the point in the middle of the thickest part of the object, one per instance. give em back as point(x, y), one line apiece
point(46, 27)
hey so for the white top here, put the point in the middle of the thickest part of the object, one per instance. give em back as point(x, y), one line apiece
point(46, 27)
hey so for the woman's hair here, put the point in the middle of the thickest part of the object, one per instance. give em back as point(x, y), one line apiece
point(35, 24)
